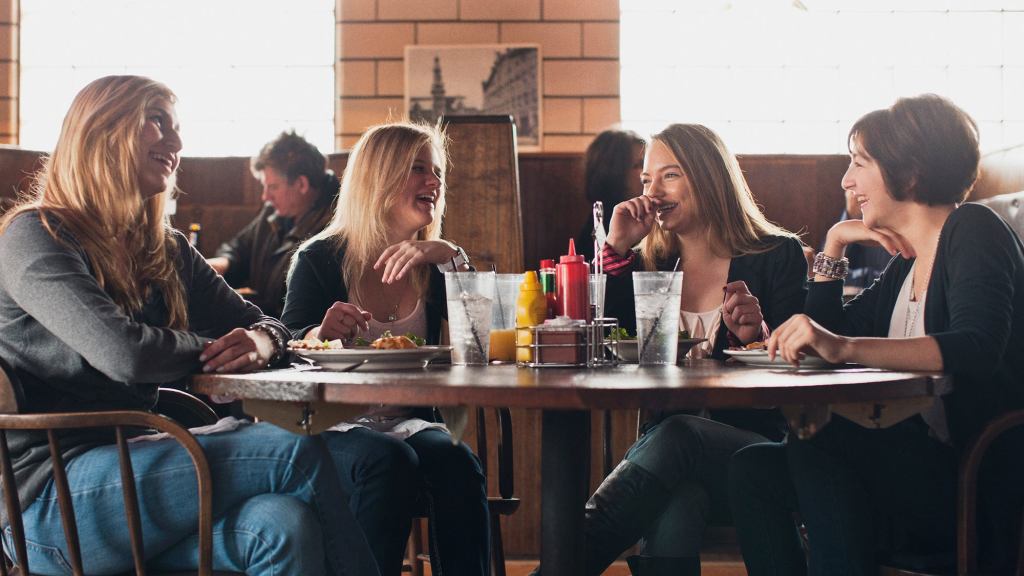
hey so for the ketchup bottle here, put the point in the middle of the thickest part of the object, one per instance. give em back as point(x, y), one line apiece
point(547, 282)
point(571, 278)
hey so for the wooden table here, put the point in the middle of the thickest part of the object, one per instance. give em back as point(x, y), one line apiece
point(312, 400)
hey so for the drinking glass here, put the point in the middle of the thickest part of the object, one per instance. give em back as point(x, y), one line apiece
point(503, 317)
point(597, 288)
point(656, 297)
point(470, 296)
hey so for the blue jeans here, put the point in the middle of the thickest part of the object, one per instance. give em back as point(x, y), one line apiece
point(385, 476)
point(690, 456)
point(861, 493)
point(278, 510)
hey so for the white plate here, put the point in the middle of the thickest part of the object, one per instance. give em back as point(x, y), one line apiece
point(365, 358)
point(760, 359)
point(628, 349)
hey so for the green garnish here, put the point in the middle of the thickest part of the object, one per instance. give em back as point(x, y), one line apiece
point(360, 341)
point(620, 334)
point(415, 339)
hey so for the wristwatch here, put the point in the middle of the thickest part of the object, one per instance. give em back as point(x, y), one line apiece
point(458, 261)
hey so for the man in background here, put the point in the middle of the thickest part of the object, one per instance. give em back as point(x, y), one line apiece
point(299, 194)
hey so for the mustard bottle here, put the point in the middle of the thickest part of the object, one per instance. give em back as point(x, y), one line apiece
point(531, 310)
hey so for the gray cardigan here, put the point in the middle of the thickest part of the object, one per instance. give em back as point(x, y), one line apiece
point(73, 348)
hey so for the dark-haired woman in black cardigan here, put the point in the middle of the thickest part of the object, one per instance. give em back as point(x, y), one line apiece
point(954, 302)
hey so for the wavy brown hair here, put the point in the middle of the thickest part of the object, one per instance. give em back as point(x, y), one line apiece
point(89, 189)
point(735, 224)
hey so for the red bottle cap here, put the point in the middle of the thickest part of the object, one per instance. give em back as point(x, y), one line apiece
point(572, 256)
point(547, 263)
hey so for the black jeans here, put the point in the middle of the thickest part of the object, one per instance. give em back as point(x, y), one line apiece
point(861, 493)
point(690, 455)
point(384, 477)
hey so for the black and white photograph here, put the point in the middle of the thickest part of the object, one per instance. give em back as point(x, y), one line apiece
point(476, 79)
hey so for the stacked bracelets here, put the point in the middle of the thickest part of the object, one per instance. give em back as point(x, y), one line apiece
point(275, 337)
point(834, 268)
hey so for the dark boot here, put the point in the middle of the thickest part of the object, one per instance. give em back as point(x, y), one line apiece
point(655, 566)
point(618, 514)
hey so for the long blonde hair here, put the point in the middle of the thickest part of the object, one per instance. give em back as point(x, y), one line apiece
point(89, 187)
point(375, 177)
point(735, 224)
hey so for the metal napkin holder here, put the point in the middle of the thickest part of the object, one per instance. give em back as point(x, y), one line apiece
point(572, 346)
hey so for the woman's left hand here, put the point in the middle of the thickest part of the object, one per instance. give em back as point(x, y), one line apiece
point(399, 259)
point(741, 312)
point(240, 350)
point(800, 334)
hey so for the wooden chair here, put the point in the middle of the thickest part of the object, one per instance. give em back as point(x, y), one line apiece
point(502, 505)
point(11, 418)
point(967, 557)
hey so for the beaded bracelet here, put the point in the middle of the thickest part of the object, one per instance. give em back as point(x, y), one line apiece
point(834, 268)
point(275, 338)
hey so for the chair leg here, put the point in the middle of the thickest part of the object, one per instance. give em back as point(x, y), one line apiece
point(416, 547)
point(497, 548)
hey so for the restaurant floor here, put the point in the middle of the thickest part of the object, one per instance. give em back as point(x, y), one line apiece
point(708, 568)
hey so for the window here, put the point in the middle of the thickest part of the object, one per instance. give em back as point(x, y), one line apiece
point(791, 76)
point(243, 70)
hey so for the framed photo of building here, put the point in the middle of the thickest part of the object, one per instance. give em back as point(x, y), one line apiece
point(475, 79)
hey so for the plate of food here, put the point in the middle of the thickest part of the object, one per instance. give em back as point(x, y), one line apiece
point(629, 350)
point(385, 353)
point(755, 354)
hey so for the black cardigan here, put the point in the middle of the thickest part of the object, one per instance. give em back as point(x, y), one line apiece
point(777, 277)
point(315, 283)
point(974, 310)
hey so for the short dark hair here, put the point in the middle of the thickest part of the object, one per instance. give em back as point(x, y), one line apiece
point(926, 148)
point(292, 156)
point(608, 161)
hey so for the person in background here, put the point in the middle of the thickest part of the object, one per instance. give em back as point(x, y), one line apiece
point(954, 303)
point(742, 275)
point(101, 301)
point(613, 163)
point(377, 267)
point(299, 194)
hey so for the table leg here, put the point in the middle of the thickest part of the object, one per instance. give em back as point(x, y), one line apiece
point(565, 474)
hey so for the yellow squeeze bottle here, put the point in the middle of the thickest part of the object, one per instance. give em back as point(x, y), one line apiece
point(531, 310)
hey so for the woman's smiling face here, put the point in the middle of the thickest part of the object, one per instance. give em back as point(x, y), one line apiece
point(414, 209)
point(159, 145)
point(863, 179)
point(668, 186)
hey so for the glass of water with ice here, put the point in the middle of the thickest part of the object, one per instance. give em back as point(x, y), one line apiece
point(656, 297)
point(470, 296)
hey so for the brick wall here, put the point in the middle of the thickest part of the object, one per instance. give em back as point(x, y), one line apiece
point(9, 77)
point(579, 42)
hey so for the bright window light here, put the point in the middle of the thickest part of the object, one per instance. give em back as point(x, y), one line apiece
point(791, 76)
point(243, 70)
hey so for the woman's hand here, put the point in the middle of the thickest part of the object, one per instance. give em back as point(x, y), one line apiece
point(632, 220)
point(240, 350)
point(741, 312)
point(800, 334)
point(847, 232)
point(343, 320)
point(398, 259)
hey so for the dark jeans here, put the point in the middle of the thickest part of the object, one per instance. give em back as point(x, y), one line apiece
point(690, 455)
point(862, 493)
point(384, 477)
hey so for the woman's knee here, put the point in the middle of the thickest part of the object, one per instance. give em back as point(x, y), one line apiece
point(363, 453)
point(283, 532)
